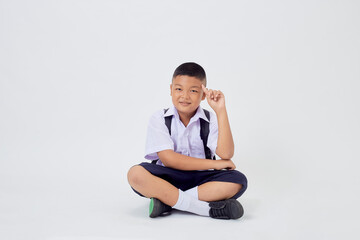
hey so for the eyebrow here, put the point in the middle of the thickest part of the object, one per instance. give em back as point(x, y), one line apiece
point(190, 87)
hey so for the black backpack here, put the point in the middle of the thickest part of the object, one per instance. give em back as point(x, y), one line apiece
point(204, 132)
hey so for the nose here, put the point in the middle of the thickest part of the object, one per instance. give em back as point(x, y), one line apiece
point(185, 94)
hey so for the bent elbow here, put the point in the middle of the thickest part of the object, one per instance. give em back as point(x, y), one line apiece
point(226, 155)
point(165, 157)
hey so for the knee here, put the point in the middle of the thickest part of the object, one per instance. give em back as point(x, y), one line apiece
point(241, 180)
point(235, 188)
point(238, 187)
point(135, 174)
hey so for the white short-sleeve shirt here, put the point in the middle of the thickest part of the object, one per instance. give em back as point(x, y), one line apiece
point(183, 140)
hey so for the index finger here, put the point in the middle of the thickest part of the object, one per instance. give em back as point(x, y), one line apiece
point(204, 89)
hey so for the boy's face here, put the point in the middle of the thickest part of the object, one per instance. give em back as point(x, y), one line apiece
point(186, 93)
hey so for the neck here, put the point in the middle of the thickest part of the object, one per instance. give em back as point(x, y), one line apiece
point(185, 117)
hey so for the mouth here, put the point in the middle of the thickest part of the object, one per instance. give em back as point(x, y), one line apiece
point(184, 103)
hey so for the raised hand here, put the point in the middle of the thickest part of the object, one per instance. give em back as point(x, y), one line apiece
point(215, 99)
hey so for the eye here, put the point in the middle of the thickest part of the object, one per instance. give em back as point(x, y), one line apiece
point(178, 89)
point(193, 91)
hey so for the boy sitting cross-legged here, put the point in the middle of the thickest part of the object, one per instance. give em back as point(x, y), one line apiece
point(182, 142)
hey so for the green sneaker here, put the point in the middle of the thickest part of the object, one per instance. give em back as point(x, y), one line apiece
point(158, 208)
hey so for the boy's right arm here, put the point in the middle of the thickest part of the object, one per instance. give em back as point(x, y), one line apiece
point(179, 161)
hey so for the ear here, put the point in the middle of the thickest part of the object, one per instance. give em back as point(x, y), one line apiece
point(203, 96)
point(170, 89)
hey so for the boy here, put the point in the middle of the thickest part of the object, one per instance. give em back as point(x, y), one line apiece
point(183, 174)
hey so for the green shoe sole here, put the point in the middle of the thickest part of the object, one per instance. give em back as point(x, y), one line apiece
point(158, 208)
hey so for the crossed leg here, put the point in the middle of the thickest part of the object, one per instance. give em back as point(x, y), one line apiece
point(152, 186)
point(216, 191)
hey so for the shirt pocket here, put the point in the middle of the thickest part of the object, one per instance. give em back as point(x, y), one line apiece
point(197, 147)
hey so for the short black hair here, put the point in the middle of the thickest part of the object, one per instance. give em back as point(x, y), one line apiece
point(191, 69)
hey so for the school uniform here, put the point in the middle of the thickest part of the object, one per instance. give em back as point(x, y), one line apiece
point(186, 141)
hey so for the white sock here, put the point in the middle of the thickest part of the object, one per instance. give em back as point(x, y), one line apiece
point(188, 203)
point(193, 192)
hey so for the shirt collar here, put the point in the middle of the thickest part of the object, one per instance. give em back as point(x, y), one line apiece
point(199, 114)
point(171, 111)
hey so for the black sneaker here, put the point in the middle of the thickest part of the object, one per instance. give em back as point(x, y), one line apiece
point(227, 209)
point(158, 208)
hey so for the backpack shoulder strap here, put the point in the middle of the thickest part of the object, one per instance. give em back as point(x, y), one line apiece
point(168, 121)
point(168, 125)
point(204, 133)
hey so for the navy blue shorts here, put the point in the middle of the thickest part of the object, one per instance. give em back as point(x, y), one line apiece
point(185, 180)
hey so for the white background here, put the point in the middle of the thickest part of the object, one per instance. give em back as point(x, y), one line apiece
point(80, 78)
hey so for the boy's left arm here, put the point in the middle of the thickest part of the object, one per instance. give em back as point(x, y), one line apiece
point(225, 143)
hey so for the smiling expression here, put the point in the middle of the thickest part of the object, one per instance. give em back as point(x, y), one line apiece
point(186, 93)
